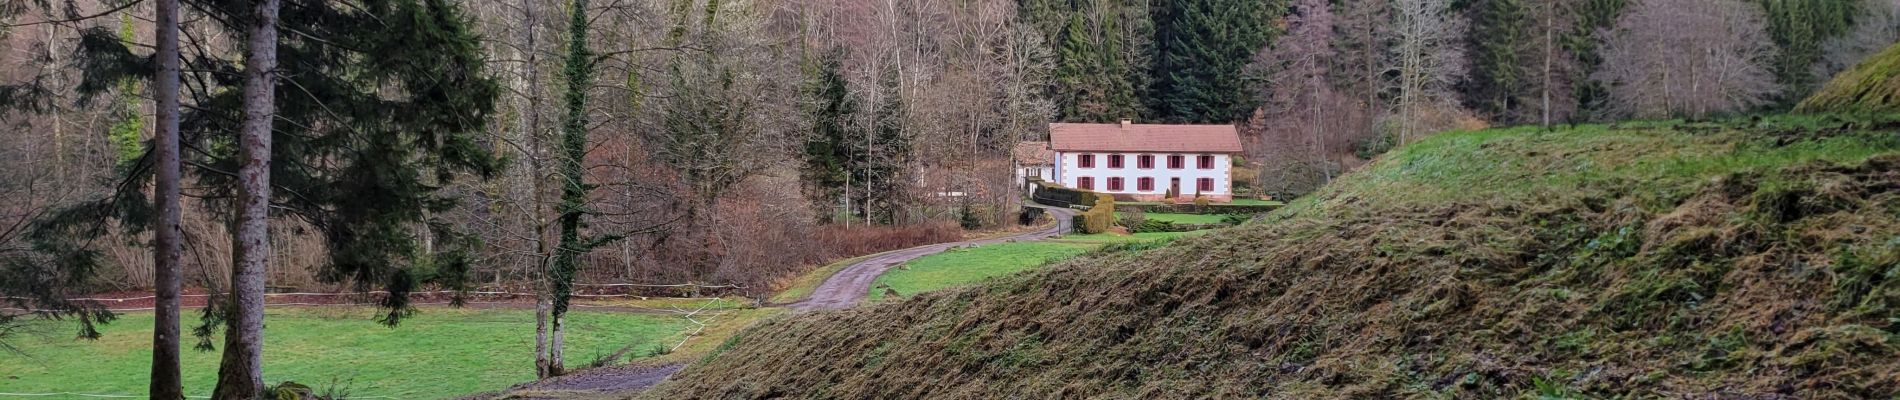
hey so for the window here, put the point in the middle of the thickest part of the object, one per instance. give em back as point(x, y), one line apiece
point(1145, 184)
point(1115, 184)
point(1205, 184)
point(1207, 162)
point(1086, 160)
point(1145, 161)
point(1085, 183)
point(1177, 161)
point(1115, 161)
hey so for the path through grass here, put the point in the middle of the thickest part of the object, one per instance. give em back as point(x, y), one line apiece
point(439, 353)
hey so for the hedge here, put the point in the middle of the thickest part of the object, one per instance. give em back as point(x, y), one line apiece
point(1059, 196)
point(1168, 208)
point(1099, 217)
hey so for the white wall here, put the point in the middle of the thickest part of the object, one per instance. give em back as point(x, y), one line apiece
point(1069, 169)
point(1024, 172)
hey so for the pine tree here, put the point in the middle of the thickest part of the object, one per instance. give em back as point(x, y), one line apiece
point(829, 108)
point(1501, 63)
point(1202, 47)
point(1799, 29)
point(378, 105)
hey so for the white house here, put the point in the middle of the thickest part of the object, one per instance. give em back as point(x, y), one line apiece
point(1146, 162)
point(1034, 160)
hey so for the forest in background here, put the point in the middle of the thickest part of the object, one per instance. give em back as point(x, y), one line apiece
point(718, 128)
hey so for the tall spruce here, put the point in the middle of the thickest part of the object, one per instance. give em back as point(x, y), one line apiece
point(1500, 43)
point(830, 107)
point(241, 374)
point(374, 107)
point(167, 244)
point(1799, 29)
point(1202, 47)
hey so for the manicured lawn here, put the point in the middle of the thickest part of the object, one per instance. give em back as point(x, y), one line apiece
point(967, 265)
point(970, 265)
point(1187, 218)
point(439, 353)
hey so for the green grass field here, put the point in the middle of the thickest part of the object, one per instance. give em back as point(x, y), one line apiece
point(970, 265)
point(439, 353)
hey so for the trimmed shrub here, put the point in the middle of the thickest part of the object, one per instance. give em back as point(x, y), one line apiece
point(1060, 196)
point(1099, 217)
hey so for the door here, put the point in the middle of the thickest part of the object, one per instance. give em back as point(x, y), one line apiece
point(1174, 188)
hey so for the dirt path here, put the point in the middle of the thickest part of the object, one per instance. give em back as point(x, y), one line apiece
point(845, 288)
point(841, 290)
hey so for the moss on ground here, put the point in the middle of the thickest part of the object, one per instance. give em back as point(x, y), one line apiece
point(1643, 260)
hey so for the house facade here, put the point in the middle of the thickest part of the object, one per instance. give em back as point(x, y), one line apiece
point(1034, 160)
point(1146, 162)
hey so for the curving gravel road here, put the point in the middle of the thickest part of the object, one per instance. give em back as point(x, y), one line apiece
point(841, 290)
point(845, 288)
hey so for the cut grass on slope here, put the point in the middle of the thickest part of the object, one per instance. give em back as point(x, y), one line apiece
point(1644, 260)
point(960, 266)
point(439, 353)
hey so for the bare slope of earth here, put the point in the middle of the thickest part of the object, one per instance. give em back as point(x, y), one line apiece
point(1752, 259)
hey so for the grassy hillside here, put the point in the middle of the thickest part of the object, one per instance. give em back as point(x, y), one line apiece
point(1643, 260)
point(1872, 86)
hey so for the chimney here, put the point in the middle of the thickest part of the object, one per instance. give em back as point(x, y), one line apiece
point(1125, 123)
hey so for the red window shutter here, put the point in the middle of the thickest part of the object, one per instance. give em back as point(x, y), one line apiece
point(1115, 184)
point(1207, 162)
point(1176, 161)
point(1205, 184)
point(1145, 161)
point(1115, 161)
point(1085, 183)
point(1086, 160)
point(1145, 184)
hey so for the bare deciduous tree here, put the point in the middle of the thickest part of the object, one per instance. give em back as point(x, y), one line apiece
point(1426, 59)
point(1690, 58)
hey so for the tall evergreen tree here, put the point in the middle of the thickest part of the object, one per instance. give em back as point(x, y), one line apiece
point(167, 237)
point(1500, 40)
point(241, 374)
point(1799, 29)
point(829, 109)
point(884, 160)
point(375, 107)
point(1202, 48)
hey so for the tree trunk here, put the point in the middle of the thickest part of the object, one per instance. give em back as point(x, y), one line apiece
point(166, 247)
point(241, 376)
point(579, 69)
point(1549, 25)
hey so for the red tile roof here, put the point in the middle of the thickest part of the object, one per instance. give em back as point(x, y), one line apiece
point(1034, 153)
point(1144, 138)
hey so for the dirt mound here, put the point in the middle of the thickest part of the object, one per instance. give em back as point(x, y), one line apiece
point(1641, 261)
